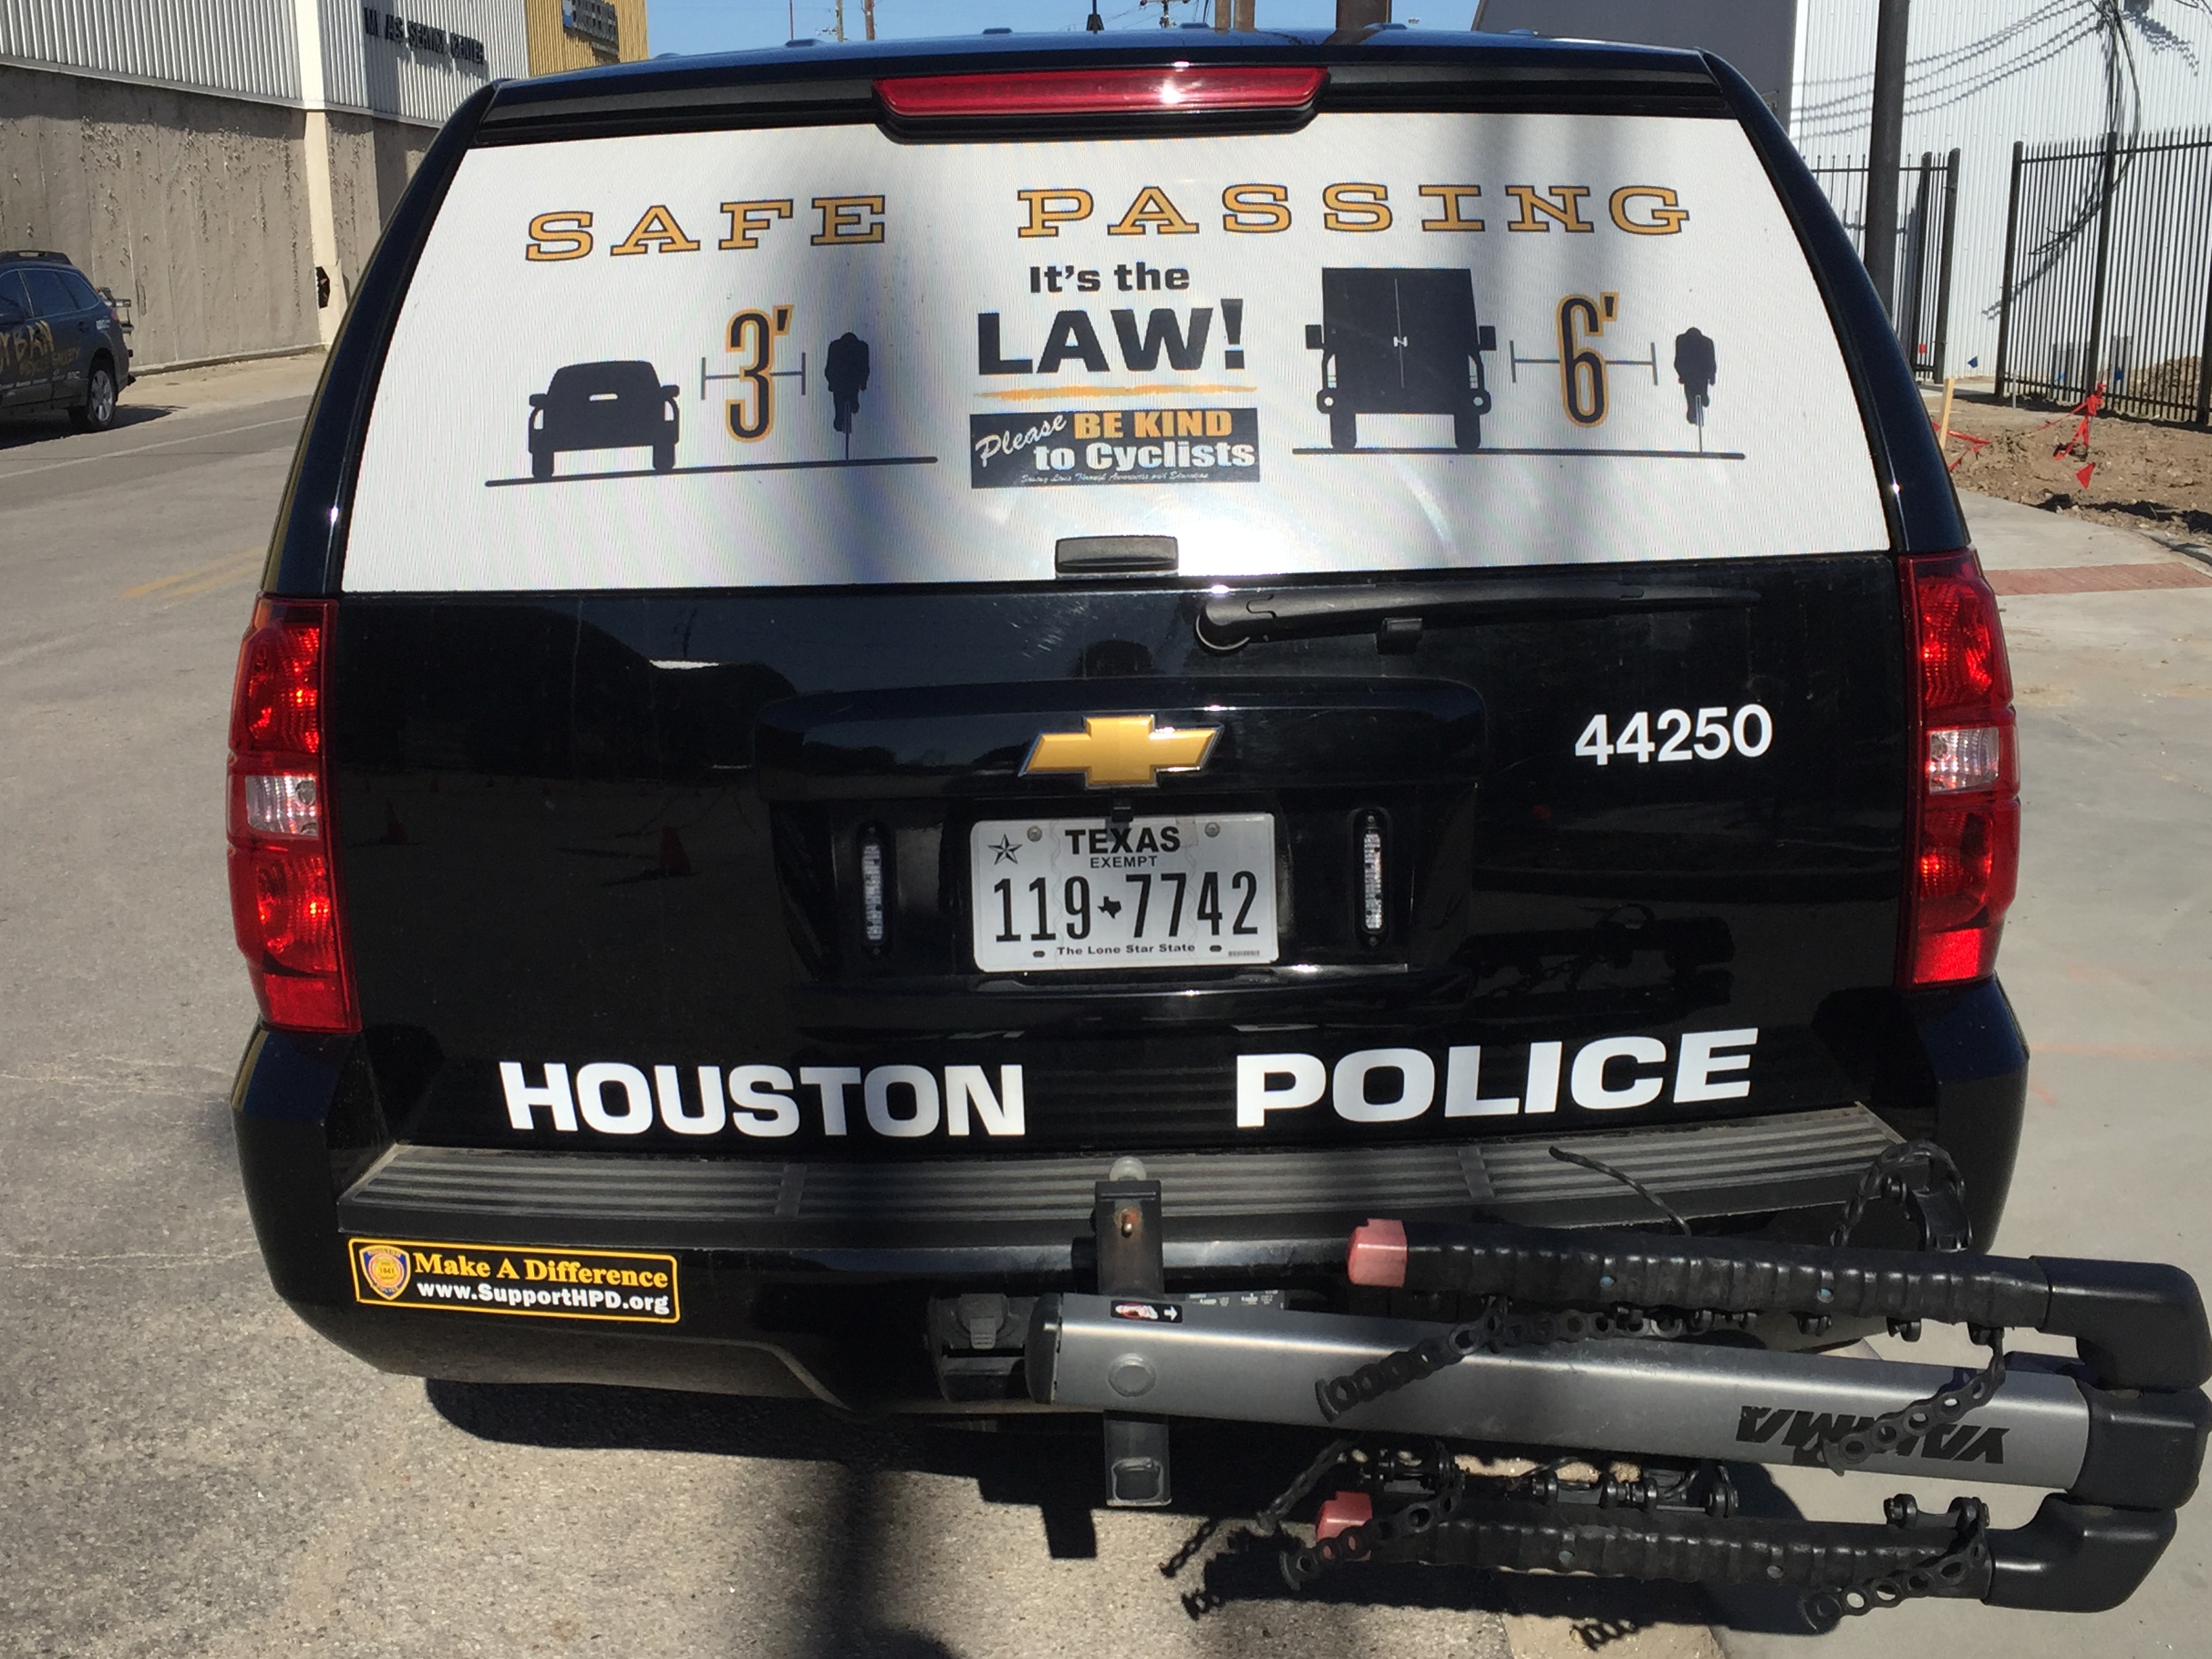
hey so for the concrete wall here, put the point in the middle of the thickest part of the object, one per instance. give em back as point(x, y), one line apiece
point(371, 161)
point(193, 207)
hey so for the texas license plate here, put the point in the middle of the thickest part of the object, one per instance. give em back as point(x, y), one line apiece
point(1058, 893)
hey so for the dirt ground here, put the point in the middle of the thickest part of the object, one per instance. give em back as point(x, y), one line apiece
point(2148, 477)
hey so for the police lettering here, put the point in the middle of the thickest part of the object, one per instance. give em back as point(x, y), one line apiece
point(902, 1102)
point(1393, 1085)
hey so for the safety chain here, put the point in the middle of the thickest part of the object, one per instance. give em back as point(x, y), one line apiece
point(1270, 1520)
point(1360, 1542)
point(1949, 1572)
point(1266, 1524)
point(1939, 1410)
point(1339, 1395)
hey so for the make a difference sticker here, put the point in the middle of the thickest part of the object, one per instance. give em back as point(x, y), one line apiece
point(632, 1286)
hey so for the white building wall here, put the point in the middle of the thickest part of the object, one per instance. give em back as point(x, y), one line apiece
point(379, 75)
point(240, 48)
point(252, 48)
point(1981, 74)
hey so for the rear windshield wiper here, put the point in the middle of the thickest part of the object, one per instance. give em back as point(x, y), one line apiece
point(1398, 613)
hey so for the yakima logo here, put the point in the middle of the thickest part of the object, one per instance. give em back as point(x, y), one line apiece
point(1805, 1432)
point(1391, 1085)
point(905, 1102)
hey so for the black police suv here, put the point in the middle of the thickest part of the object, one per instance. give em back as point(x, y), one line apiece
point(61, 344)
point(717, 923)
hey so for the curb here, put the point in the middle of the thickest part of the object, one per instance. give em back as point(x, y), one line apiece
point(138, 373)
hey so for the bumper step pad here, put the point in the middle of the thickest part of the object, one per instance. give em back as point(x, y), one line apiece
point(1300, 1203)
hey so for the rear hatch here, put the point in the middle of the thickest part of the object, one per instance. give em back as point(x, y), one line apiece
point(1336, 618)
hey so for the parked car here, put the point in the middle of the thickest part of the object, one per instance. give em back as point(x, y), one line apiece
point(618, 406)
point(974, 926)
point(62, 345)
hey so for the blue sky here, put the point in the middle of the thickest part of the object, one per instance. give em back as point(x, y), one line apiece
point(686, 26)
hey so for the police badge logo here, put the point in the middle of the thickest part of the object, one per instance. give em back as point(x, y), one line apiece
point(385, 1268)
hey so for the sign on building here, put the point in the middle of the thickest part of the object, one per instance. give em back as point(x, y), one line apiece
point(593, 20)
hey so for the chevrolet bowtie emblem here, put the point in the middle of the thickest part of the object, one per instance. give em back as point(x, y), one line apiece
point(1116, 751)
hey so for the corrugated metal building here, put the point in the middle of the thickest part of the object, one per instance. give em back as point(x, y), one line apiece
point(243, 49)
point(417, 67)
point(226, 165)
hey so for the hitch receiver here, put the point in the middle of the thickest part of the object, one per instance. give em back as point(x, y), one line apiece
point(1125, 1215)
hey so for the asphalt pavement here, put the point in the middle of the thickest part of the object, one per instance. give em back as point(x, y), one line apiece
point(185, 1470)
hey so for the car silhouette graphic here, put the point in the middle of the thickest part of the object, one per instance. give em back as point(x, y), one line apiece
point(622, 405)
point(1400, 341)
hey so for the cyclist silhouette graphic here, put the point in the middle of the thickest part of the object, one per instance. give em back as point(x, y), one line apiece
point(845, 372)
point(1694, 369)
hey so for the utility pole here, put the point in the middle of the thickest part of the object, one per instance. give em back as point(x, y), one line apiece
point(1353, 15)
point(841, 22)
point(1884, 148)
point(868, 16)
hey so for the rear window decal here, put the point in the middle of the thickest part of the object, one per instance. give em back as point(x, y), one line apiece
point(1466, 334)
point(1115, 446)
point(620, 408)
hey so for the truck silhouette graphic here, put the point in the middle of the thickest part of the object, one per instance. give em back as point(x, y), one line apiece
point(1400, 341)
point(618, 406)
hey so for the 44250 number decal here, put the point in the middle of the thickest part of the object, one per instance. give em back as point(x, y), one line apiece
point(1672, 735)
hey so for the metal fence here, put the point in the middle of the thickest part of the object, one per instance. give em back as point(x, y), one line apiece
point(1927, 221)
point(2108, 274)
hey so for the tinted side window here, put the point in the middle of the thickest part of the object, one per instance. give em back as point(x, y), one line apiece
point(13, 300)
point(48, 297)
point(82, 293)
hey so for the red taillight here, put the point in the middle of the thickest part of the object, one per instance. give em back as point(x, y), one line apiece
point(1964, 862)
point(1185, 88)
point(283, 891)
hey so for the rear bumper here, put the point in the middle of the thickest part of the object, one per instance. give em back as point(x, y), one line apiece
point(1027, 1218)
point(814, 1278)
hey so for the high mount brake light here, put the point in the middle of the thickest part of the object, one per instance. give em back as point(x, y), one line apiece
point(1169, 90)
point(283, 890)
point(1963, 846)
